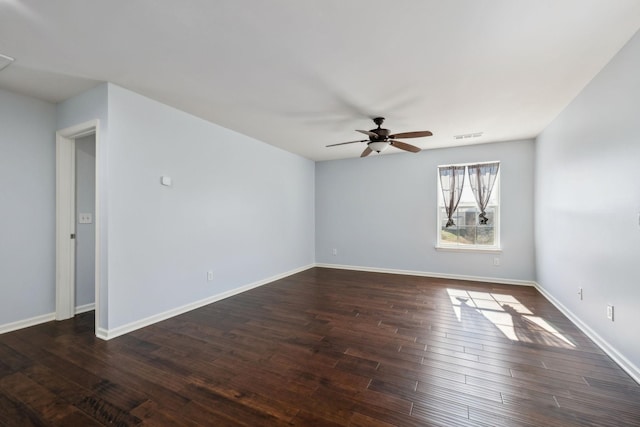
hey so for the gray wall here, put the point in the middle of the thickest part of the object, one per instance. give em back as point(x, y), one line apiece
point(85, 233)
point(27, 207)
point(237, 206)
point(588, 204)
point(381, 212)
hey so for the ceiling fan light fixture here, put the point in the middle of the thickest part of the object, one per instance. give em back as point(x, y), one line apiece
point(378, 146)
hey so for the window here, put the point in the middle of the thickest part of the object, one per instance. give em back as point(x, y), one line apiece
point(466, 230)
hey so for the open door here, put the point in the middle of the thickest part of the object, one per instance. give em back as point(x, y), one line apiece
point(66, 219)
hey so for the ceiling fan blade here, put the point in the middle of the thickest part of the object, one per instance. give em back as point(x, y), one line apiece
point(343, 143)
point(366, 132)
point(418, 134)
point(404, 146)
point(366, 152)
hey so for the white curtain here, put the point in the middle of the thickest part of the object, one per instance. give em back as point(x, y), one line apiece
point(451, 182)
point(482, 177)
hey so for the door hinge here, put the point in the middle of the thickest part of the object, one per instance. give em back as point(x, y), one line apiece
point(73, 236)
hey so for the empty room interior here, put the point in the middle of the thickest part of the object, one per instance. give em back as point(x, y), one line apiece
point(320, 213)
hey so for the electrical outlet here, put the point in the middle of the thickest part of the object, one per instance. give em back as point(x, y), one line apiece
point(209, 276)
point(610, 312)
point(580, 293)
point(334, 251)
point(496, 261)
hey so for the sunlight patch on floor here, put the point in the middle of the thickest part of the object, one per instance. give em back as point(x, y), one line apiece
point(508, 315)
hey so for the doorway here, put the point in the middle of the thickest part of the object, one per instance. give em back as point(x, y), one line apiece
point(77, 221)
point(85, 160)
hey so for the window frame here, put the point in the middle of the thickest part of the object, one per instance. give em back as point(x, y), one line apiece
point(461, 247)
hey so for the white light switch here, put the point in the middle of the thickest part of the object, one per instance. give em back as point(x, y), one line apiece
point(166, 180)
point(85, 218)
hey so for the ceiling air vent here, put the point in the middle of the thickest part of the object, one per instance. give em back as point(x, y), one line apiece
point(468, 135)
point(5, 61)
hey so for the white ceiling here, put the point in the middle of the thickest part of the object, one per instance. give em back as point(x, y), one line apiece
point(303, 74)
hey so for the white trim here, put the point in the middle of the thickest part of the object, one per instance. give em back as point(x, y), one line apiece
point(496, 219)
point(107, 334)
point(80, 130)
point(497, 280)
point(20, 324)
point(69, 134)
point(476, 249)
point(617, 357)
point(620, 359)
point(102, 333)
point(84, 308)
point(65, 226)
point(43, 318)
point(97, 220)
point(468, 164)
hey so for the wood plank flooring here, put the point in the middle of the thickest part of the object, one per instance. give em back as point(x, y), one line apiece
point(325, 348)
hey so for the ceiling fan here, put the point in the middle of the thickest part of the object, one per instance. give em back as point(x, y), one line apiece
point(380, 139)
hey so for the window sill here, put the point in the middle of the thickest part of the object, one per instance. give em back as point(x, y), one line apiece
point(492, 250)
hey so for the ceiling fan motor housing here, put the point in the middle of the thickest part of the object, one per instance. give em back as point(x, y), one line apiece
point(383, 134)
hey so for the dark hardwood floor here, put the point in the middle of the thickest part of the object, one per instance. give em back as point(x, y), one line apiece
point(325, 348)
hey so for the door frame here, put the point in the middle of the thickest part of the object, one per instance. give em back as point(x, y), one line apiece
point(65, 218)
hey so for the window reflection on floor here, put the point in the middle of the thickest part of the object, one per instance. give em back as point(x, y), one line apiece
point(507, 314)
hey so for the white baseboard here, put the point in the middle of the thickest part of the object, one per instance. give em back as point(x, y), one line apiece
point(430, 274)
point(14, 326)
point(84, 308)
point(43, 318)
point(107, 334)
point(102, 333)
point(621, 360)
